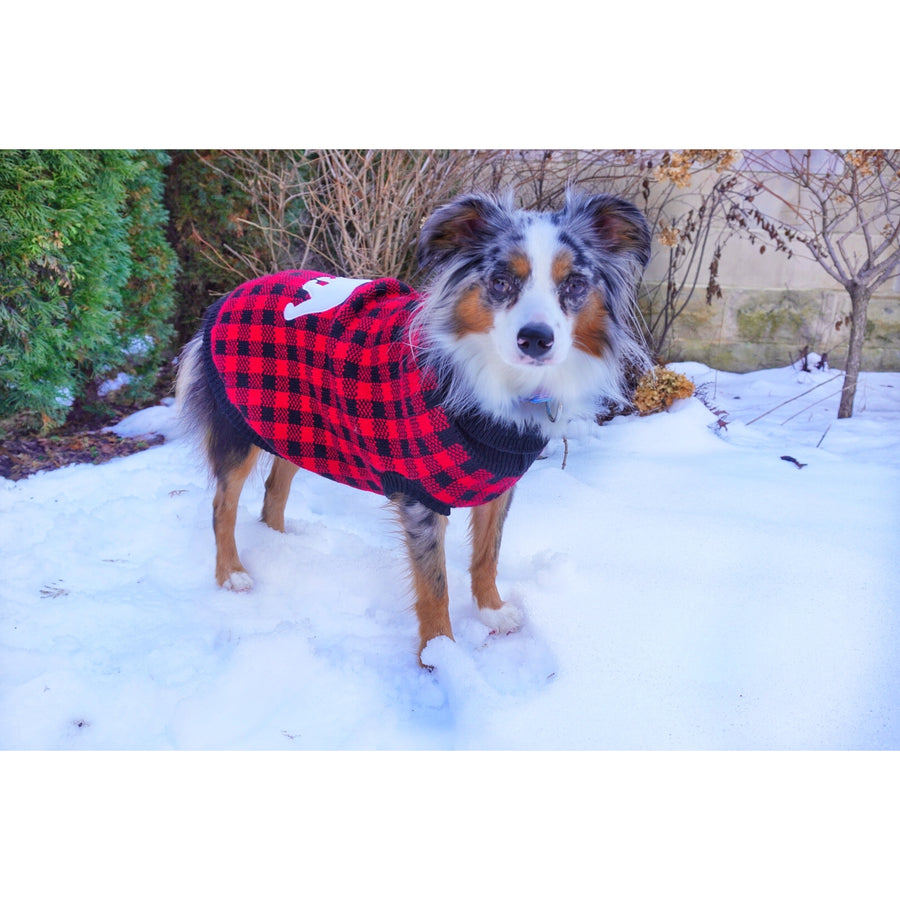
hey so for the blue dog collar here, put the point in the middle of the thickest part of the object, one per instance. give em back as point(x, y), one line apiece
point(547, 401)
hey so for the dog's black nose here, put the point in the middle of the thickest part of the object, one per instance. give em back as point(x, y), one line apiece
point(535, 339)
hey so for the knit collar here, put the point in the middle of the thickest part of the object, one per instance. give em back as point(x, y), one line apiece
point(498, 436)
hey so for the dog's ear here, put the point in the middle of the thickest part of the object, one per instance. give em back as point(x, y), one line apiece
point(459, 226)
point(615, 224)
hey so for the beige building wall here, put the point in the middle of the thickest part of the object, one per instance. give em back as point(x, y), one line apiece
point(772, 308)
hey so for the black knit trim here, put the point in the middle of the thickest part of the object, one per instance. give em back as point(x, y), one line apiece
point(509, 450)
point(393, 484)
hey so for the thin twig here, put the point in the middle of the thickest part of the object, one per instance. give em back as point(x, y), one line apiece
point(792, 399)
point(811, 405)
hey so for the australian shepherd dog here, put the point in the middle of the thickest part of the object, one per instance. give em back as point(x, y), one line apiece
point(435, 399)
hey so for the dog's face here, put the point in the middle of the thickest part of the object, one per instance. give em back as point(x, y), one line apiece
point(537, 300)
point(534, 303)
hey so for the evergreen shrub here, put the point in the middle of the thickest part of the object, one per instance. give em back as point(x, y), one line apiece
point(86, 276)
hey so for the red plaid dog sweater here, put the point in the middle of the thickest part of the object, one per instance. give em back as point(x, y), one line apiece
point(319, 370)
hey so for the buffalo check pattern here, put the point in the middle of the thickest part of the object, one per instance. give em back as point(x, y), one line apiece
point(338, 391)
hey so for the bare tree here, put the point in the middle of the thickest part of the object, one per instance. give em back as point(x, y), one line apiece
point(684, 196)
point(352, 211)
point(365, 207)
point(840, 208)
point(540, 178)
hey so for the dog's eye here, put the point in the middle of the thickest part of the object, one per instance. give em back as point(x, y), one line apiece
point(502, 287)
point(574, 289)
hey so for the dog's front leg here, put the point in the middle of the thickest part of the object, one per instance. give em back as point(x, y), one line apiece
point(486, 531)
point(424, 530)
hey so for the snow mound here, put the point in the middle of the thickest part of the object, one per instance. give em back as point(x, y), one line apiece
point(677, 584)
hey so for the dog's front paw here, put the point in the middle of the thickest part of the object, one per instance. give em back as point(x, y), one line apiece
point(504, 620)
point(238, 582)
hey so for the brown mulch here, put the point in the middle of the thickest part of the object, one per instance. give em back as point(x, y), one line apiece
point(81, 440)
point(21, 457)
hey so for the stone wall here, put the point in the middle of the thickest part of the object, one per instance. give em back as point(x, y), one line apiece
point(755, 328)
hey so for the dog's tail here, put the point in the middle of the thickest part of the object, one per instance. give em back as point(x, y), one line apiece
point(194, 402)
point(200, 419)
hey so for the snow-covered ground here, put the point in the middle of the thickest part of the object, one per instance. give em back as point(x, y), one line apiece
point(684, 587)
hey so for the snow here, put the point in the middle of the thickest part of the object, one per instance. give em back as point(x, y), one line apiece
point(682, 587)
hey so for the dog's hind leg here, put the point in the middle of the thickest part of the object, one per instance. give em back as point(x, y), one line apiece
point(230, 573)
point(278, 487)
point(486, 531)
point(229, 452)
point(424, 530)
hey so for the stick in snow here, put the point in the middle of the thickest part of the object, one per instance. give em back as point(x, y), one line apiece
point(792, 399)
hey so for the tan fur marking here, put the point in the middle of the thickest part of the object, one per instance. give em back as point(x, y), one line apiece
point(562, 266)
point(432, 610)
point(278, 488)
point(520, 266)
point(225, 505)
point(486, 529)
point(472, 315)
point(590, 326)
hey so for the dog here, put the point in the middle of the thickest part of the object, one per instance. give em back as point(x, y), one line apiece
point(436, 400)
